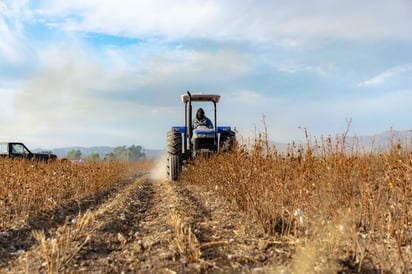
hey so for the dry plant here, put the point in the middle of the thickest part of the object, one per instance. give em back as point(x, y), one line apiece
point(345, 208)
point(68, 241)
point(186, 242)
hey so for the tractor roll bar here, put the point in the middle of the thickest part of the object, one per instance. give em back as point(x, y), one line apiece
point(197, 97)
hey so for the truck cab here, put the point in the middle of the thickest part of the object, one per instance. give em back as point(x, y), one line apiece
point(19, 150)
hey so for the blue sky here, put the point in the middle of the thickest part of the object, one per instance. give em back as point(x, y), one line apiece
point(95, 72)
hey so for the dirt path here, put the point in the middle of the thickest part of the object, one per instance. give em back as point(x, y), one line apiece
point(152, 226)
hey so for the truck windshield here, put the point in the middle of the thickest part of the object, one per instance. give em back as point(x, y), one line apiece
point(18, 149)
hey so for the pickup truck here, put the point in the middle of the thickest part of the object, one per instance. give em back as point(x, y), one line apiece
point(19, 150)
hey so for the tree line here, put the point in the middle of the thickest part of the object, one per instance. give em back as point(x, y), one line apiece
point(120, 153)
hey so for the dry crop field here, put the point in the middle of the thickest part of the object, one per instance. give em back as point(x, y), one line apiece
point(320, 208)
point(29, 188)
point(342, 208)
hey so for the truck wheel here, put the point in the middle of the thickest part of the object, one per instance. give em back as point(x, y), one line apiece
point(173, 167)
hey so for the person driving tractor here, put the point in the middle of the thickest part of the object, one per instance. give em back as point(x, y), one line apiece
point(201, 119)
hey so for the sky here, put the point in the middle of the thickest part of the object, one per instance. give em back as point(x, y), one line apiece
point(112, 72)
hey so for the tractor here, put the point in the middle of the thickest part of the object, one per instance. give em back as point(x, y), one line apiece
point(185, 143)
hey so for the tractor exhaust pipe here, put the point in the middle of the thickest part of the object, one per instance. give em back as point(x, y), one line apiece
point(189, 129)
point(215, 123)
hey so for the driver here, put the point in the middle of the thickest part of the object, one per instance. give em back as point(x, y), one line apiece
point(201, 119)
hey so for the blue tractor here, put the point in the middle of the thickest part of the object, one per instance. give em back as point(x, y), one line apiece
point(185, 143)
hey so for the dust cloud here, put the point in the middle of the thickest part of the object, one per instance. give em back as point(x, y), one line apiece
point(159, 170)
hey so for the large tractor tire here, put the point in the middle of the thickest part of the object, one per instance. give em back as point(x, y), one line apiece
point(174, 143)
point(173, 167)
point(174, 155)
point(227, 140)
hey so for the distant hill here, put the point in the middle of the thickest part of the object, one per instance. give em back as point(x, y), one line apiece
point(101, 150)
point(383, 141)
point(378, 142)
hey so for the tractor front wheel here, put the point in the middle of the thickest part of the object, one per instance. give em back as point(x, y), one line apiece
point(227, 140)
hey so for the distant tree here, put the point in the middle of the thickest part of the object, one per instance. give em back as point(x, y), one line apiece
point(109, 156)
point(127, 154)
point(135, 153)
point(94, 156)
point(74, 155)
point(120, 153)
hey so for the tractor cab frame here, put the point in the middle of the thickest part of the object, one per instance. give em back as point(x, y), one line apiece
point(185, 143)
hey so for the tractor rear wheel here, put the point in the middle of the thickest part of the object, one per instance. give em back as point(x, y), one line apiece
point(174, 155)
point(173, 167)
point(174, 143)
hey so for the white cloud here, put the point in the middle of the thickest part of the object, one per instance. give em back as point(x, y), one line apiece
point(247, 96)
point(6, 104)
point(131, 18)
point(322, 70)
point(263, 21)
point(13, 48)
point(386, 75)
point(69, 81)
